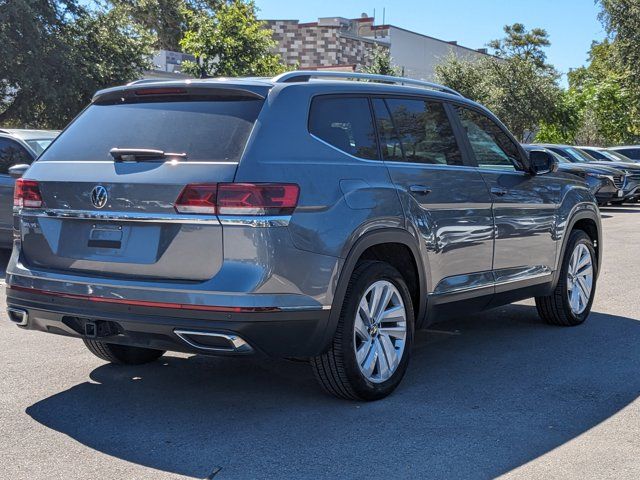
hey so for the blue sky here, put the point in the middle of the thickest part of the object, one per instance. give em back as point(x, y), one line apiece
point(572, 24)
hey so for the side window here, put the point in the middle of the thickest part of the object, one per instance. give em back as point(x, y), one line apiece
point(491, 146)
point(423, 130)
point(346, 124)
point(12, 153)
point(389, 142)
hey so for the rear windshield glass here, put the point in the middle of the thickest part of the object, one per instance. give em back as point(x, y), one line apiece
point(204, 130)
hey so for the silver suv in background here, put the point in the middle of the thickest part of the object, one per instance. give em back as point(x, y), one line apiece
point(299, 216)
point(18, 149)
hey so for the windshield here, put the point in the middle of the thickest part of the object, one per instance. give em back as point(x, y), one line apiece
point(558, 157)
point(578, 156)
point(39, 145)
point(617, 157)
point(212, 129)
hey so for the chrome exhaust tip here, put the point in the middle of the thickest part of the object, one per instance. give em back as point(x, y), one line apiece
point(18, 316)
point(214, 341)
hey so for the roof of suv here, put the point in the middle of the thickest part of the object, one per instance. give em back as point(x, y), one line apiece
point(320, 81)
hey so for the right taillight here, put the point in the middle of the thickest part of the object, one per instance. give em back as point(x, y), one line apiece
point(27, 194)
point(257, 198)
point(239, 199)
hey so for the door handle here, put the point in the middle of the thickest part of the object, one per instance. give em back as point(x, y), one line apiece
point(420, 189)
point(499, 191)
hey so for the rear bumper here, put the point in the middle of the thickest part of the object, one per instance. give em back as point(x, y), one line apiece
point(295, 333)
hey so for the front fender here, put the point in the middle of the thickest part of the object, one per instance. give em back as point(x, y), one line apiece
point(577, 204)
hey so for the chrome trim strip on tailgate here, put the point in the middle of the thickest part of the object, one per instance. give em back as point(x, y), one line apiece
point(121, 216)
point(230, 220)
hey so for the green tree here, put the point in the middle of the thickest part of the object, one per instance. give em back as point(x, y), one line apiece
point(32, 55)
point(521, 94)
point(229, 42)
point(57, 53)
point(621, 18)
point(380, 62)
point(605, 105)
point(525, 44)
point(165, 19)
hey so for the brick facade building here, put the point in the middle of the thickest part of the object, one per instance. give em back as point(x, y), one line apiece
point(335, 43)
point(347, 44)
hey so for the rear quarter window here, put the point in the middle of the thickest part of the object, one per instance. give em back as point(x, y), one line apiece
point(344, 123)
point(215, 130)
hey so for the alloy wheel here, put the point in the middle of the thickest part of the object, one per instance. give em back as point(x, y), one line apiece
point(580, 279)
point(380, 331)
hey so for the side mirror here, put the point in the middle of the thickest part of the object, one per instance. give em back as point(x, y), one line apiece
point(17, 171)
point(541, 162)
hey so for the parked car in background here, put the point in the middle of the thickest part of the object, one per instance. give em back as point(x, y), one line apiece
point(604, 155)
point(604, 182)
point(18, 149)
point(631, 185)
point(630, 151)
point(620, 157)
point(298, 216)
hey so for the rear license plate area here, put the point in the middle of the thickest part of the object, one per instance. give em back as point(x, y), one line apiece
point(105, 237)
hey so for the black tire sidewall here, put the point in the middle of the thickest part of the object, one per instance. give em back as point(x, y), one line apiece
point(372, 272)
point(577, 237)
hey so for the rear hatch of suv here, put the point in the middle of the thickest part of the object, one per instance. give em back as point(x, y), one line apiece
point(109, 184)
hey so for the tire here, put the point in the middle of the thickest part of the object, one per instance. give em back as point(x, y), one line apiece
point(338, 370)
point(122, 354)
point(556, 309)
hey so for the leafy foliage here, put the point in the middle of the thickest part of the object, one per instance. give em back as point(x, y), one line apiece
point(56, 54)
point(622, 21)
point(164, 19)
point(380, 62)
point(516, 90)
point(521, 43)
point(229, 42)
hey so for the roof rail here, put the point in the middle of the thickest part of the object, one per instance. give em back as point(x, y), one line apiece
point(306, 75)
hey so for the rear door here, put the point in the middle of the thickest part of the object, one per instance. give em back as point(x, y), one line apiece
point(116, 216)
point(444, 199)
point(11, 153)
point(524, 205)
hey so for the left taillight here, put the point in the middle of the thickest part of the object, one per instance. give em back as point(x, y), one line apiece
point(27, 194)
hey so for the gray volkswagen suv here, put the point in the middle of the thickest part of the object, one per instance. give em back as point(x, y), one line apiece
point(304, 216)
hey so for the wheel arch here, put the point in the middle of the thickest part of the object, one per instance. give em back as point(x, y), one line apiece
point(370, 246)
point(588, 221)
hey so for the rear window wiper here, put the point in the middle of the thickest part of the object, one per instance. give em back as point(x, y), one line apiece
point(143, 154)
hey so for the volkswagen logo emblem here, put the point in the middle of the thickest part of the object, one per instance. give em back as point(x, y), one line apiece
point(99, 196)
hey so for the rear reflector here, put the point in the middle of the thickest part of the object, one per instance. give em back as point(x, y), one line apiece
point(27, 194)
point(144, 303)
point(239, 199)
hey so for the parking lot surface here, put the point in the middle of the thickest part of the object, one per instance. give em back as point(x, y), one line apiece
point(496, 394)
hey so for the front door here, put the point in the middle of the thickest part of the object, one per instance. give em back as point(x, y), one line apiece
point(524, 205)
point(445, 200)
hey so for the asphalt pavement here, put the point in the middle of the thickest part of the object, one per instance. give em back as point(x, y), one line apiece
point(496, 394)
